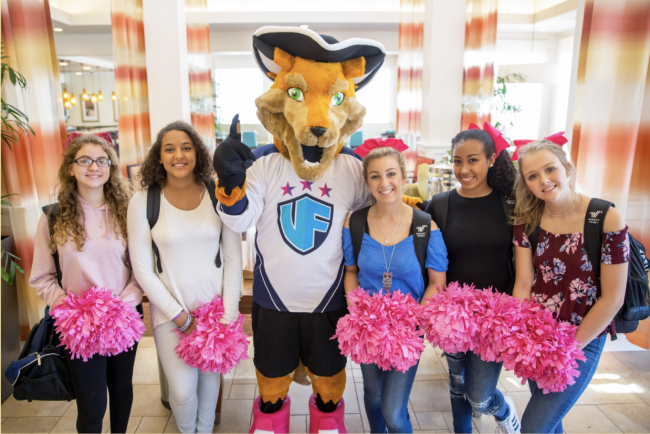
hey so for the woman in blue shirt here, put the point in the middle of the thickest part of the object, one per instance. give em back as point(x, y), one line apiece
point(387, 260)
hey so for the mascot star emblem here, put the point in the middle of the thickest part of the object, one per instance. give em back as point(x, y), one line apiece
point(287, 189)
point(325, 191)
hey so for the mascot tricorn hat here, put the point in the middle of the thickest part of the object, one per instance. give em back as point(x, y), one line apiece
point(308, 44)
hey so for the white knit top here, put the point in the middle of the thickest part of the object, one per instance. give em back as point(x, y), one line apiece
point(188, 243)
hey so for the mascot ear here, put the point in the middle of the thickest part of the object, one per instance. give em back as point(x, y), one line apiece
point(283, 59)
point(354, 68)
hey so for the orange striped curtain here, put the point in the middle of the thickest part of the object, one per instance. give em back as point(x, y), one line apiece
point(30, 168)
point(130, 81)
point(611, 133)
point(478, 73)
point(198, 56)
point(409, 72)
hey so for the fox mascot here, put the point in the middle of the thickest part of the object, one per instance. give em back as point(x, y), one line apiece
point(298, 191)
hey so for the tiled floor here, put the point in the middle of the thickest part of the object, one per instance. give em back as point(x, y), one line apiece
point(617, 400)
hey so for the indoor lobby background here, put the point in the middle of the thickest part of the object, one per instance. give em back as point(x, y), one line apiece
point(534, 67)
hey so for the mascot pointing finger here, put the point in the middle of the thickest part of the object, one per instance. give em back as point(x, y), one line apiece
point(298, 192)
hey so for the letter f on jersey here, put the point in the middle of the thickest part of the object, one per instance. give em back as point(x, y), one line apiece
point(304, 223)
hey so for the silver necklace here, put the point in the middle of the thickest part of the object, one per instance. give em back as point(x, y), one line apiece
point(387, 277)
point(560, 215)
point(99, 221)
point(391, 232)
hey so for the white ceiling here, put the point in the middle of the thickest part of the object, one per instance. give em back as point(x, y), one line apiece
point(517, 18)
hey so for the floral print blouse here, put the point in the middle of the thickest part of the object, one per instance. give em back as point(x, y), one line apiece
point(565, 281)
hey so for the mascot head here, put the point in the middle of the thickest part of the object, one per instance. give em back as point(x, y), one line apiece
point(311, 108)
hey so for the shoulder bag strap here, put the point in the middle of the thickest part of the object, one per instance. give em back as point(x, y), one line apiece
point(51, 211)
point(357, 229)
point(421, 234)
point(594, 223)
point(440, 209)
point(153, 210)
point(212, 188)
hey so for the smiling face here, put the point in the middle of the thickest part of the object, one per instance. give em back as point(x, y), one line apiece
point(177, 154)
point(545, 175)
point(385, 179)
point(471, 165)
point(93, 176)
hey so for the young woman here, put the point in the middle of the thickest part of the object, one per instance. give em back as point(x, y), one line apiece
point(559, 274)
point(186, 235)
point(388, 246)
point(479, 242)
point(89, 234)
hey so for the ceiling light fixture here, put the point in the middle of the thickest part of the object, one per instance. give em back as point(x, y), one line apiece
point(57, 29)
point(87, 68)
point(114, 97)
point(78, 73)
point(63, 63)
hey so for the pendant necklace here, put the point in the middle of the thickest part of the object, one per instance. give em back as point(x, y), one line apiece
point(575, 200)
point(387, 277)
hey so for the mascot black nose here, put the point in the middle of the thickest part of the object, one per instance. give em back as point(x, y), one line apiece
point(318, 131)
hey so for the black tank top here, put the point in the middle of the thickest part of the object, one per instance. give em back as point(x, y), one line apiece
point(479, 241)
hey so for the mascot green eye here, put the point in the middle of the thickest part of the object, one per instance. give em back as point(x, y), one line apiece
point(338, 98)
point(296, 94)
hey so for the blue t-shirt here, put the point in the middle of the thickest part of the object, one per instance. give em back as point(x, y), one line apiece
point(407, 276)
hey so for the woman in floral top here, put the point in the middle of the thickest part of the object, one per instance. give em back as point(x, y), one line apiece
point(559, 274)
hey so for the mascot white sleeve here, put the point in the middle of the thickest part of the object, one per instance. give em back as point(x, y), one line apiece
point(298, 191)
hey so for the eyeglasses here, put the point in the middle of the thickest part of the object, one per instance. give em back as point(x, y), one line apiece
point(87, 162)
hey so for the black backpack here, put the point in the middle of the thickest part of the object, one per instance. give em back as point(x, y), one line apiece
point(438, 208)
point(41, 373)
point(421, 227)
point(636, 306)
point(153, 211)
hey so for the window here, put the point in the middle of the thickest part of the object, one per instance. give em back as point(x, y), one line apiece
point(377, 98)
point(236, 90)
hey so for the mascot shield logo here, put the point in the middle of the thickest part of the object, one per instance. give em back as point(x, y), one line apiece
point(305, 222)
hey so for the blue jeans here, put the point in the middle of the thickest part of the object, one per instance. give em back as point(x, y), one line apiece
point(544, 413)
point(386, 397)
point(473, 385)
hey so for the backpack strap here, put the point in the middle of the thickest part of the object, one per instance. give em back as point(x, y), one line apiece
point(212, 189)
point(51, 211)
point(533, 239)
point(357, 228)
point(421, 233)
point(153, 210)
point(594, 224)
point(440, 204)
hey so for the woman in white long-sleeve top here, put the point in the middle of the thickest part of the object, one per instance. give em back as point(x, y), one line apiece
point(197, 259)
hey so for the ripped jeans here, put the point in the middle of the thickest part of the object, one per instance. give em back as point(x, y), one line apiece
point(473, 385)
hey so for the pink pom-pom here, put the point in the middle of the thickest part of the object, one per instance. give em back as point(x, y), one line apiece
point(381, 329)
point(542, 349)
point(96, 322)
point(498, 327)
point(213, 346)
point(449, 318)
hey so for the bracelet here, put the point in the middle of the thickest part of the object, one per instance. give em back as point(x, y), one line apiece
point(179, 314)
point(187, 323)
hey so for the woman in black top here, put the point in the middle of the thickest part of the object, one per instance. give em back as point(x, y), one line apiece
point(479, 245)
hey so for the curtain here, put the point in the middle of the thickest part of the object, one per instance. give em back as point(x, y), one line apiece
point(198, 56)
point(130, 81)
point(30, 167)
point(409, 76)
point(611, 131)
point(478, 72)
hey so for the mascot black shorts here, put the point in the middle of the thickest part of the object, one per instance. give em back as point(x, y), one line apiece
point(282, 339)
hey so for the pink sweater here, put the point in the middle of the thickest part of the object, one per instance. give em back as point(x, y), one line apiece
point(102, 263)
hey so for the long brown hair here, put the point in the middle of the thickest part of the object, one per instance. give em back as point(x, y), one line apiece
point(529, 208)
point(117, 192)
point(152, 171)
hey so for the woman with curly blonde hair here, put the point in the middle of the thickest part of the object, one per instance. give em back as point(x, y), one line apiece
point(87, 229)
point(554, 267)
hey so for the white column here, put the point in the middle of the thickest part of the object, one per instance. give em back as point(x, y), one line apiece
point(442, 75)
point(165, 35)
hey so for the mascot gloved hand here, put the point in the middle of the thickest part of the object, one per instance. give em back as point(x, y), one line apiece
point(231, 159)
